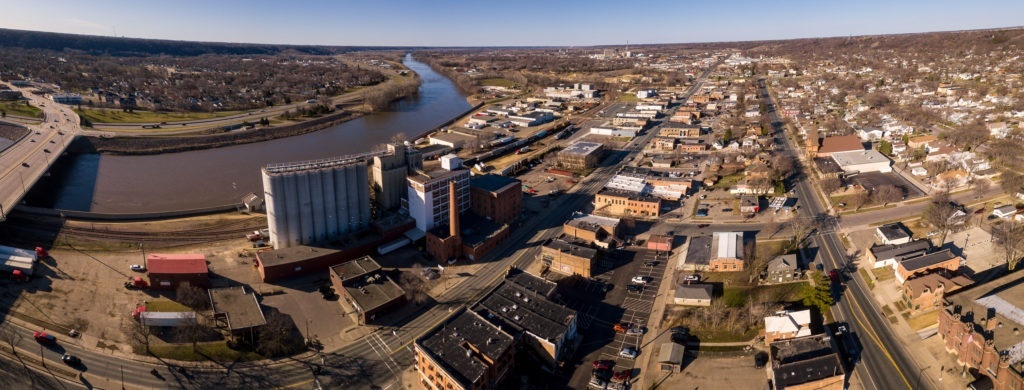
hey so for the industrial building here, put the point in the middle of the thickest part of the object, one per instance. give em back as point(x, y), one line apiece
point(464, 352)
point(236, 309)
point(726, 252)
point(568, 257)
point(366, 289)
point(495, 197)
point(862, 161)
point(389, 172)
point(428, 196)
point(580, 155)
point(316, 201)
point(168, 271)
point(449, 241)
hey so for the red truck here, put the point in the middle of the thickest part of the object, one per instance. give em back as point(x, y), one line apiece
point(834, 276)
point(44, 338)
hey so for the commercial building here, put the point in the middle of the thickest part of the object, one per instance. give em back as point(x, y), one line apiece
point(601, 231)
point(892, 234)
point(389, 172)
point(693, 294)
point(428, 196)
point(568, 257)
point(316, 201)
point(726, 252)
point(452, 140)
point(830, 145)
point(887, 255)
point(472, 237)
point(168, 271)
point(365, 288)
point(66, 98)
point(495, 197)
point(981, 326)
point(465, 352)
point(808, 362)
point(236, 309)
point(924, 293)
point(787, 325)
point(581, 155)
point(626, 203)
point(941, 260)
point(547, 328)
point(660, 242)
point(532, 118)
point(862, 161)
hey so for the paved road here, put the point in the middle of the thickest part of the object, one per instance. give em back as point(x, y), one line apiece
point(884, 362)
point(23, 163)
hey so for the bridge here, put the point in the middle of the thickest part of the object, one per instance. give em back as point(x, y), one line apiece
point(31, 156)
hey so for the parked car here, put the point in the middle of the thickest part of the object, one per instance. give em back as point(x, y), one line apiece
point(701, 213)
point(621, 327)
point(635, 288)
point(602, 374)
point(603, 364)
point(691, 278)
point(622, 376)
point(628, 353)
point(137, 268)
point(679, 329)
point(636, 330)
point(641, 279)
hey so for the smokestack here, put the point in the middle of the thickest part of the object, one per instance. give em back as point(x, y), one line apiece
point(453, 208)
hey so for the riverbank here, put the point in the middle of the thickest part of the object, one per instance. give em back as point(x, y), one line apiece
point(123, 145)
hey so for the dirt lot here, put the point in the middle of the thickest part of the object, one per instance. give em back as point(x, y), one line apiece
point(707, 373)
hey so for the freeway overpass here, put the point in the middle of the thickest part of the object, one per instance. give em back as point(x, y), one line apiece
point(29, 158)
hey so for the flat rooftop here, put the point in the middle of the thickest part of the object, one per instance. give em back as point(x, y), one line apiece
point(582, 148)
point(1005, 297)
point(859, 157)
point(564, 246)
point(699, 251)
point(449, 342)
point(427, 176)
point(493, 183)
point(354, 269)
point(592, 222)
point(241, 309)
point(531, 282)
point(631, 195)
point(513, 306)
point(373, 291)
point(804, 359)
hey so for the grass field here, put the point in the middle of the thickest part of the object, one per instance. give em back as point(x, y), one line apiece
point(216, 351)
point(21, 109)
point(497, 82)
point(165, 305)
point(628, 98)
point(144, 117)
point(924, 320)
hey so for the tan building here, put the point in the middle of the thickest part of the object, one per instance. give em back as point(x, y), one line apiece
point(726, 252)
point(568, 257)
point(787, 325)
point(601, 231)
point(463, 353)
point(941, 260)
point(581, 155)
point(626, 203)
point(679, 131)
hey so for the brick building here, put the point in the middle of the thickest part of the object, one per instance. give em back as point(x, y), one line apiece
point(726, 252)
point(464, 352)
point(941, 260)
point(568, 257)
point(923, 293)
point(495, 197)
point(366, 289)
point(581, 155)
point(809, 362)
point(168, 271)
point(626, 203)
point(601, 231)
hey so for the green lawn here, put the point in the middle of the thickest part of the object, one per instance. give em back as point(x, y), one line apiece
point(144, 117)
point(728, 181)
point(216, 351)
point(20, 108)
point(497, 82)
point(628, 98)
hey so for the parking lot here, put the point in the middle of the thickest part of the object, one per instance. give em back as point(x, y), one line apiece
point(600, 308)
point(872, 180)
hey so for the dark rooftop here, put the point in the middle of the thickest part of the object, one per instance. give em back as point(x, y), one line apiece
point(921, 262)
point(240, 309)
point(459, 342)
point(629, 195)
point(563, 245)
point(492, 183)
point(901, 251)
point(531, 282)
point(827, 165)
point(475, 229)
point(893, 231)
point(699, 251)
point(804, 359)
point(512, 306)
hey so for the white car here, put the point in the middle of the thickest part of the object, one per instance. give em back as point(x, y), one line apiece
point(628, 353)
point(137, 268)
point(641, 279)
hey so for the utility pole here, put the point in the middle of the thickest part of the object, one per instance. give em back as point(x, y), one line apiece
point(142, 248)
point(122, 377)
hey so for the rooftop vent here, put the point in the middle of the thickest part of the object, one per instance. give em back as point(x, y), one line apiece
point(517, 317)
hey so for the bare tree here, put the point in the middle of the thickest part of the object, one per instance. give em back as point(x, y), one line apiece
point(887, 193)
point(139, 333)
point(781, 166)
point(414, 285)
point(938, 214)
point(830, 184)
point(981, 186)
point(857, 200)
point(278, 337)
point(192, 296)
point(1009, 235)
point(190, 333)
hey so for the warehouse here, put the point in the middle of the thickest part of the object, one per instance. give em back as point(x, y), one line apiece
point(365, 288)
point(168, 271)
point(581, 155)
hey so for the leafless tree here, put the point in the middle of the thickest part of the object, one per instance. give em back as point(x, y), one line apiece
point(857, 200)
point(278, 337)
point(938, 214)
point(414, 285)
point(138, 332)
point(781, 166)
point(830, 184)
point(981, 186)
point(887, 193)
point(1009, 236)
point(190, 333)
point(192, 296)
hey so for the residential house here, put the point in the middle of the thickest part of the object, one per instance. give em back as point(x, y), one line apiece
point(787, 325)
point(923, 293)
point(892, 234)
point(1004, 211)
point(782, 269)
point(888, 255)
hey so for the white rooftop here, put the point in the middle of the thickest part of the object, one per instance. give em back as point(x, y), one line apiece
point(858, 157)
point(729, 244)
point(627, 183)
point(789, 321)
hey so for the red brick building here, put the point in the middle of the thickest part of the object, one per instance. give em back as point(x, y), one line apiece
point(168, 271)
point(495, 197)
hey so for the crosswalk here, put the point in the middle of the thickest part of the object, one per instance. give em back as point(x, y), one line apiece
point(383, 351)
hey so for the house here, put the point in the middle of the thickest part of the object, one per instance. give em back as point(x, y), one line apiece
point(923, 293)
point(726, 252)
point(782, 269)
point(693, 294)
point(892, 234)
point(670, 357)
point(787, 325)
point(1004, 211)
point(808, 362)
point(168, 271)
point(941, 260)
point(887, 255)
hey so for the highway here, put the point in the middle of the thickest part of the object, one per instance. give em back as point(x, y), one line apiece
point(24, 162)
point(884, 364)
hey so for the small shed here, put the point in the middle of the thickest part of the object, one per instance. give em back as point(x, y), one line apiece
point(670, 357)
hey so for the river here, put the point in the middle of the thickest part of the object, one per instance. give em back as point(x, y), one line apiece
point(213, 177)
